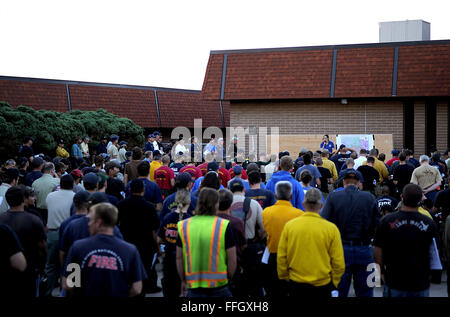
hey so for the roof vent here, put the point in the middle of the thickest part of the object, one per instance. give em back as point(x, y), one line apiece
point(402, 31)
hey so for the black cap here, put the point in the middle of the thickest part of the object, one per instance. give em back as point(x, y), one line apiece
point(183, 179)
point(81, 197)
point(91, 178)
point(236, 185)
point(98, 197)
point(213, 166)
point(351, 174)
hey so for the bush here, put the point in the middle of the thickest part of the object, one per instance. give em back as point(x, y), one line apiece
point(47, 127)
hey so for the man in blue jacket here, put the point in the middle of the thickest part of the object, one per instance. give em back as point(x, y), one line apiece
point(284, 174)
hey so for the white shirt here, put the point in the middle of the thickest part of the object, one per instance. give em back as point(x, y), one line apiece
point(180, 148)
point(156, 147)
point(359, 161)
point(3, 204)
point(269, 170)
point(58, 205)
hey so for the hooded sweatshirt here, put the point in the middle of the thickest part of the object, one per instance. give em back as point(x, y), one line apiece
point(297, 192)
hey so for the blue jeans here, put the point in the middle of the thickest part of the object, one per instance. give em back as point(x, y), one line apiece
point(389, 292)
point(209, 292)
point(357, 258)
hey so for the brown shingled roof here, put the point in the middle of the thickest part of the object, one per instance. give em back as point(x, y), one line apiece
point(361, 70)
point(176, 107)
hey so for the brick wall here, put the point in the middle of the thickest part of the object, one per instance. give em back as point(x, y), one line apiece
point(442, 126)
point(357, 117)
point(419, 129)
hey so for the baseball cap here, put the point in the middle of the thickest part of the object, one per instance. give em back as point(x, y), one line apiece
point(151, 136)
point(350, 174)
point(123, 143)
point(395, 152)
point(155, 133)
point(97, 198)
point(61, 141)
point(105, 155)
point(341, 146)
point(236, 184)
point(91, 178)
point(81, 197)
point(114, 137)
point(183, 179)
point(213, 166)
point(76, 173)
point(237, 169)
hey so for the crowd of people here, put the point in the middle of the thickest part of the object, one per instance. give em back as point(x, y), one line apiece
point(222, 224)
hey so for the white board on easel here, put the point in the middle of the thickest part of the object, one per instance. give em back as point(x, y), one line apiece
point(356, 141)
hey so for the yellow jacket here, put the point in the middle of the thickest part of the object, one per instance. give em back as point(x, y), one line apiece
point(61, 152)
point(381, 168)
point(310, 251)
point(331, 166)
point(274, 219)
point(154, 165)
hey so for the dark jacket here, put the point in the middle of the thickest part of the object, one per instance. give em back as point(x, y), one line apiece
point(354, 212)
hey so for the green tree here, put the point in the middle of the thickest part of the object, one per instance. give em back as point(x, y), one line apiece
point(47, 127)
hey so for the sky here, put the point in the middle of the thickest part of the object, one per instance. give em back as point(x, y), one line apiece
point(168, 43)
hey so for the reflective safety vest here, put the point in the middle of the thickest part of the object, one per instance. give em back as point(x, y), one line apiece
point(204, 254)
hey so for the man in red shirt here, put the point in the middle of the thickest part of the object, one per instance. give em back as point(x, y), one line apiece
point(204, 167)
point(224, 174)
point(192, 169)
point(165, 177)
point(394, 158)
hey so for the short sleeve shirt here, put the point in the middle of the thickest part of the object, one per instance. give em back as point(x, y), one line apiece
point(193, 170)
point(254, 215)
point(108, 266)
point(163, 175)
point(426, 176)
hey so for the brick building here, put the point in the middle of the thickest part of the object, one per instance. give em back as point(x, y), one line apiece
point(150, 107)
point(400, 88)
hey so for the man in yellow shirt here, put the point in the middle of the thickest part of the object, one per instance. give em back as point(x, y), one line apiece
point(155, 164)
point(61, 151)
point(329, 164)
point(274, 219)
point(378, 165)
point(310, 252)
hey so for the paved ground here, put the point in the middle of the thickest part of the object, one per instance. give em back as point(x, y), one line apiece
point(436, 290)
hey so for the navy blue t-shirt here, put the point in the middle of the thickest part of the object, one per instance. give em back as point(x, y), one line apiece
point(168, 231)
point(64, 225)
point(176, 168)
point(387, 201)
point(31, 177)
point(152, 192)
point(170, 205)
point(263, 196)
point(339, 160)
point(109, 266)
point(76, 230)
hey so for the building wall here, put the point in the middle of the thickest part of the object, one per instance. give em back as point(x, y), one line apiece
point(419, 128)
point(442, 126)
point(296, 117)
